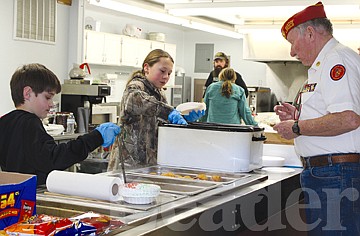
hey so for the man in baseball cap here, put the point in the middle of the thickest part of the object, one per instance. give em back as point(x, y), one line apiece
point(220, 55)
point(221, 61)
point(324, 122)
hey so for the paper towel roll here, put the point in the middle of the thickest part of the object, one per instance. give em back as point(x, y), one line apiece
point(84, 185)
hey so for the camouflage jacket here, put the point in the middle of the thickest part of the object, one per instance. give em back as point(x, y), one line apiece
point(142, 107)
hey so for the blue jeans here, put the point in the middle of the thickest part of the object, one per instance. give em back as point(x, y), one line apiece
point(332, 198)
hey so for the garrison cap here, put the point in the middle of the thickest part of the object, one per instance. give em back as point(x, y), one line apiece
point(309, 13)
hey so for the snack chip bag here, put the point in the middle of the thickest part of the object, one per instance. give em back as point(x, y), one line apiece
point(85, 224)
point(35, 225)
point(102, 223)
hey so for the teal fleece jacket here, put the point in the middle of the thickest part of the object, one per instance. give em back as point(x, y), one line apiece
point(221, 109)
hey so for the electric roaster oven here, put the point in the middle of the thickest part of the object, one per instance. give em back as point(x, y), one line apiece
point(211, 146)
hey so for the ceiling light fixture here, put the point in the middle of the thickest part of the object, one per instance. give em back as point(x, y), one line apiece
point(138, 11)
point(261, 11)
point(130, 7)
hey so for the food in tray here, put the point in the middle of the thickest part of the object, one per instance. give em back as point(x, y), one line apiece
point(216, 178)
point(139, 193)
point(169, 174)
point(187, 177)
point(201, 176)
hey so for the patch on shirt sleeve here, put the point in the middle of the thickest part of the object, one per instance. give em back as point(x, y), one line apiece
point(337, 72)
point(308, 88)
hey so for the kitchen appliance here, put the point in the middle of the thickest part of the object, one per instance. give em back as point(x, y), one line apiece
point(212, 146)
point(75, 96)
point(259, 99)
point(104, 112)
point(176, 95)
point(182, 90)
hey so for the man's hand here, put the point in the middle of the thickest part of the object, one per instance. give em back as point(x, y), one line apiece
point(285, 111)
point(284, 128)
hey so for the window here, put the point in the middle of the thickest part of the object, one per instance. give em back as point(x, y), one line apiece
point(35, 20)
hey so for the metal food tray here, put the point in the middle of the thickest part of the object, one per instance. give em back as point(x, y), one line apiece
point(226, 177)
point(171, 185)
point(102, 206)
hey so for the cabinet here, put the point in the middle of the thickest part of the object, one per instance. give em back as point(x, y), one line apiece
point(120, 50)
point(102, 48)
point(157, 45)
point(134, 51)
point(171, 49)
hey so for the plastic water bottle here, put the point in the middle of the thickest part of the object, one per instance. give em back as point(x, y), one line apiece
point(70, 124)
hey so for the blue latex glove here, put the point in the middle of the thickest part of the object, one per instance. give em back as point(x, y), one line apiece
point(176, 118)
point(108, 131)
point(194, 115)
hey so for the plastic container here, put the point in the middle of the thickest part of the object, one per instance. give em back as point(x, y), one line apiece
point(156, 36)
point(70, 124)
point(187, 107)
point(139, 193)
point(61, 118)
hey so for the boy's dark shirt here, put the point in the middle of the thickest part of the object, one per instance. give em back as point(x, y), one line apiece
point(26, 147)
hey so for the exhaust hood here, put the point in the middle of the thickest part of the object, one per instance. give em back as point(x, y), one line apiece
point(265, 46)
point(268, 45)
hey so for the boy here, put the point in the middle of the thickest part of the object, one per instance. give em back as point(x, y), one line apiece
point(25, 145)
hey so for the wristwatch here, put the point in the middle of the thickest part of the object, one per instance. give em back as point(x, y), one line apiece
point(296, 128)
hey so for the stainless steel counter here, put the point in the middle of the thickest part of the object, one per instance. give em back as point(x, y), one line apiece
point(198, 211)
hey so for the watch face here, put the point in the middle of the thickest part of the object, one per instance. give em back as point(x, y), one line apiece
point(295, 128)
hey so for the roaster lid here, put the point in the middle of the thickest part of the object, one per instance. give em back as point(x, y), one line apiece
point(216, 126)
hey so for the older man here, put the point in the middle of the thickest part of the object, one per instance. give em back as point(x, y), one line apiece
point(324, 120)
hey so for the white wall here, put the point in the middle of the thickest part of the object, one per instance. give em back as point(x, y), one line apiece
point(348, 36)
point(15, 53)
point(251, 72)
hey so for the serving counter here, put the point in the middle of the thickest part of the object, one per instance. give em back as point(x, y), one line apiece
point(260, 202)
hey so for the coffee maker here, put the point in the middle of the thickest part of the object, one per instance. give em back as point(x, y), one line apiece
point(79, 98)
point(259, 99)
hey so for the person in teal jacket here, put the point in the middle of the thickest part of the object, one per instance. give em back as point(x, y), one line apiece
point(226, 101)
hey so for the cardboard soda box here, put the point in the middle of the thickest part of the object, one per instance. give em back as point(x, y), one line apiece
point(17, 197)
